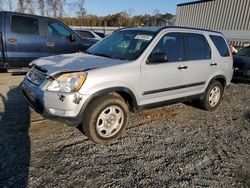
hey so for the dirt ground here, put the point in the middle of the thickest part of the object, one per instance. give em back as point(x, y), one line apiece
point(173, 146)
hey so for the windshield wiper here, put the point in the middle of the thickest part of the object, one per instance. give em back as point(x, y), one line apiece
point(103, 55)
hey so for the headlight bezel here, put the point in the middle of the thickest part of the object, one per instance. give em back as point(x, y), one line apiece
point(67, 82)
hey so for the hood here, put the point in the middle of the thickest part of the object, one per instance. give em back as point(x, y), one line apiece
point(73, 62)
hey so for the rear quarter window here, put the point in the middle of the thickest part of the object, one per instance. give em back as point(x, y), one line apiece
point(221, 45)
point(24, 25)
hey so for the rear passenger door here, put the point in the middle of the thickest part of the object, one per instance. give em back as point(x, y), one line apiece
point(199, 64)
point(23, 40)
point(223, 56)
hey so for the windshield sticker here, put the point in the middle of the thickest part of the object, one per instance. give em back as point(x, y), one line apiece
point(143, 37)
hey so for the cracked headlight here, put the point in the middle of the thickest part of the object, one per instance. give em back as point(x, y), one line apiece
point(68, 82)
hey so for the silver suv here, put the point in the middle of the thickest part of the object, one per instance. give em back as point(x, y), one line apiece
point(131, 70)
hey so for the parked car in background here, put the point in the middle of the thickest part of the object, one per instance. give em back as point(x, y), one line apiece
point(133, 69)
point(242, 64)
point(27, 37)
point(90, 34)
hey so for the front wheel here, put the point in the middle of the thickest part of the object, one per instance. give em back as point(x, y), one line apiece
point(212, 96)
point(105, 119)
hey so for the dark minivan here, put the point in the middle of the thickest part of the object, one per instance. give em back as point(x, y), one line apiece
point(27, 37)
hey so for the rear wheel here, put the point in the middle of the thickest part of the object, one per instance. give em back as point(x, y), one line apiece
point(212, 96)
point(105, 119)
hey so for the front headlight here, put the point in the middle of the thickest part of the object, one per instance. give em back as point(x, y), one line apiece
point(68, 82)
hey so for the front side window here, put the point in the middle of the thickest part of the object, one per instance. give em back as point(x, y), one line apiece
point(197, 47)
point(124, 45)
point(24, 25)
point(172, 46)
point(221, 45)
point(58, 30)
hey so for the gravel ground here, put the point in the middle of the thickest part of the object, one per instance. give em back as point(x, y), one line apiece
point(173, 146)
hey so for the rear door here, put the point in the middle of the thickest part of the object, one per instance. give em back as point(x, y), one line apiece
point(224, 57)
point(23, 40)
point(199, 63)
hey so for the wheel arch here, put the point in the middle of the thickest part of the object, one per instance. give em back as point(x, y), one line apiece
point(220, 78)
point(128, 96)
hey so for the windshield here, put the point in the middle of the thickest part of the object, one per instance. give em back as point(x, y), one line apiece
point(244, 52)
point(123, 45)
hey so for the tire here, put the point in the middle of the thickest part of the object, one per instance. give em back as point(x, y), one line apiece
point(212, 97)
point(105, 119)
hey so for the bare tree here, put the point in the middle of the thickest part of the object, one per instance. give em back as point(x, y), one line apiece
point(30, 6)
point(156, 17)
point(61, 5)
point(41, 7)
point(53, 6)
point(10, 5)
point(20, 6)
point(130, 12)
point(81, 10)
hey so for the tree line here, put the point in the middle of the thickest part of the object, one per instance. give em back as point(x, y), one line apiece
point(58, 8)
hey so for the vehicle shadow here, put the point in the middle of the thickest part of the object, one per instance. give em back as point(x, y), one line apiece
point(14, 139)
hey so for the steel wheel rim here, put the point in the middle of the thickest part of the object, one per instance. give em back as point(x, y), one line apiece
point(110, 121)
point(214, 96)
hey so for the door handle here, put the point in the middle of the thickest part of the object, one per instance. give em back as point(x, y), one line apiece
point(213, 64)
point(12, 41)
point(182, 67)
point(50, 44)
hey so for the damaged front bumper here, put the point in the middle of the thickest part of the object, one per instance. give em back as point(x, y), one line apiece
point(64, 107)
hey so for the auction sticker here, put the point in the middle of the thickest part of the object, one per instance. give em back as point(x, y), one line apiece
point(143, 37)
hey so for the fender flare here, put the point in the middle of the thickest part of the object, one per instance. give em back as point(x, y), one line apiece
point(104, 92)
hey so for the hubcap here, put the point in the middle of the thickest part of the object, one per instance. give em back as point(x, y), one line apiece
point(110, 121)
point(214, 96)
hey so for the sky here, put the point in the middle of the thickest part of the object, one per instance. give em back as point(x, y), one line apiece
point(138, 7)
point(104, 7)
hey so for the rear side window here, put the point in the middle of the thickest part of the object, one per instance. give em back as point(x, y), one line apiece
point(221, 45)
point(196, 47)
point(24, 25)
point(86, 34)
point(172, 45)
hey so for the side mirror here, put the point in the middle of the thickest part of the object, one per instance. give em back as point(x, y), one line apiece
point(157, 58)
point(72, 38)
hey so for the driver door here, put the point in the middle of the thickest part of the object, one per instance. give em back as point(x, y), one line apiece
point(58, 39)
point(164, 81)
